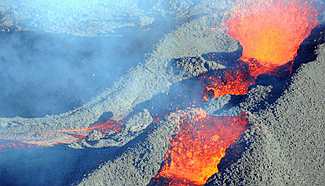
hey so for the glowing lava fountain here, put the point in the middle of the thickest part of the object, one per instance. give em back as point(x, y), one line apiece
point(270, 31)
point(198, 148)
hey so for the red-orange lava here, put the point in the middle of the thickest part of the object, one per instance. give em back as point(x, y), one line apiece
point(104, 127)
point(198, 148)
point(233, 82)
point(271, 31)
point(77, 134)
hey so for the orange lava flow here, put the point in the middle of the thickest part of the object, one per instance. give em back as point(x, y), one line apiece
point(198, 148)
point(75, 135)
point(270, 31)
point(104, 127)
point(233, 83)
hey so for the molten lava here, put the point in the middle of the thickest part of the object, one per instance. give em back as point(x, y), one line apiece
point(198, 148)
point(233, 83)
point(75, 135)
point(270, 31)
point(104, 128)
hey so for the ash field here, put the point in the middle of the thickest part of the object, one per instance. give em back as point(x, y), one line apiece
point(177, 92)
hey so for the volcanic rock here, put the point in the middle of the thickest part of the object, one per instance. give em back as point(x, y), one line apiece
point(94, 135)
point(287, 139)
point(139, 85)
point(131, 168)
point(194, 66)
point(139, 122)
point(284, 144)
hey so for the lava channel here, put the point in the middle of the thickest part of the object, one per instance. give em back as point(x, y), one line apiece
point(231, 82)
point(198, 148)
point(77, 134)
point(105, 127)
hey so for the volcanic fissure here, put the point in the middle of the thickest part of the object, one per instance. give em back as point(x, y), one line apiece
point(205, 144)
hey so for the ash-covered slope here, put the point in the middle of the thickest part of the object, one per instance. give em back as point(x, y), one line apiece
point(288, 141)
point(138, 85)
point(142, 158)
point(285, 142)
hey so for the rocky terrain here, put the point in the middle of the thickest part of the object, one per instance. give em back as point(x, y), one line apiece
point(284, 144)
